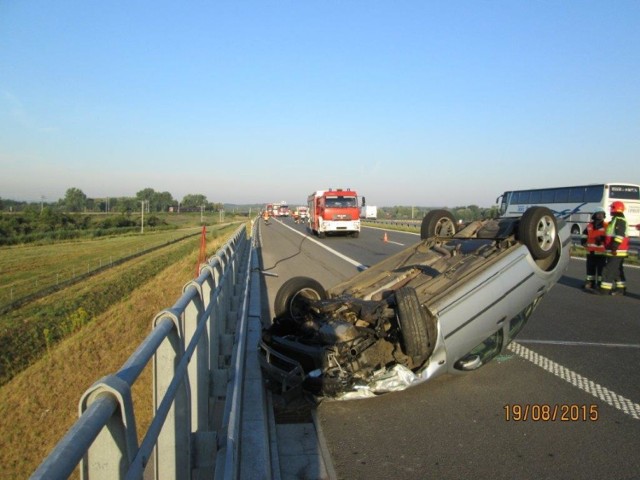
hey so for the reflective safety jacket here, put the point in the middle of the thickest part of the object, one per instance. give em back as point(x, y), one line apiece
point(596, 237)
point(617, 236)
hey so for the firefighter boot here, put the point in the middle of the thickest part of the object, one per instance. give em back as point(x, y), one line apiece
point(588, 285)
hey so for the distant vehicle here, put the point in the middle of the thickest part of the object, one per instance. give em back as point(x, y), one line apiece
point(284, 210)
point(275, 209)
point(369, 212)
point(575, 204)
point(334, 212)
point(303, 212)
point(269, 209)
point(448, 304)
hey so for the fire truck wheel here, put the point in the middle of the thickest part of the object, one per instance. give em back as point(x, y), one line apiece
point(294, 296)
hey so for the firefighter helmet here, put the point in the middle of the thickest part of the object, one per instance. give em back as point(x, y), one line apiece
point(599, 212)
point(617, 206)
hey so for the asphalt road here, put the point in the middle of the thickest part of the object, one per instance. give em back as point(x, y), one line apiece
point(573, 372)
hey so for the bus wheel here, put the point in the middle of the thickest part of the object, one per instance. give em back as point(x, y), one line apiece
point(538, 230)
point(438, 223)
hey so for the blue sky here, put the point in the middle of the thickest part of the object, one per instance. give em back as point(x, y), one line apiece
point(409, 102)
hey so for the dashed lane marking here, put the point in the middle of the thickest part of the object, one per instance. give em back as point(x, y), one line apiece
point(603, 394)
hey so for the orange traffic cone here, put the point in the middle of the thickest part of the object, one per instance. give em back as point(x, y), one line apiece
point(385, 239)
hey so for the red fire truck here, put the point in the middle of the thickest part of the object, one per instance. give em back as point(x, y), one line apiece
point(334, 211)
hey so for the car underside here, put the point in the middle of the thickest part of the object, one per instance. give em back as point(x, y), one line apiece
point(439, 305)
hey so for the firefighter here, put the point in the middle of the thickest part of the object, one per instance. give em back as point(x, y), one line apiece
point(616, 244)
point(593, 240)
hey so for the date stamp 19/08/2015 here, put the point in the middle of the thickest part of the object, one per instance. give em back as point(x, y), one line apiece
point(558, 412)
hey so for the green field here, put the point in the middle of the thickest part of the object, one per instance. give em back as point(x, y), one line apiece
point(28, 328)
point(52, 349)
point(29, 268)
point(26, 269)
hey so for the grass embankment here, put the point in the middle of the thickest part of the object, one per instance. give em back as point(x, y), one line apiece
point(27, 269)
point(39, 404)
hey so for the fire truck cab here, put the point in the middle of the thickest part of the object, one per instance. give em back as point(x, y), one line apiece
point(334, 211)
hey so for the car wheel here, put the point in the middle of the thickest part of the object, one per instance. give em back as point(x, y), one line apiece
point(538, 230)
point(414, 325)
point(438, 223)
point(294, 294)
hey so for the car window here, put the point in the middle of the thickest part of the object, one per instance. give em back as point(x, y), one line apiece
point(482, 353)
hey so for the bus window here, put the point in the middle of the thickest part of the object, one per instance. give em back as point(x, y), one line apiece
point(576, 195)
point(536, 197)
point(547, 196)
point(593, 193)
point(522, 198)
point(562, 195)
point(624, 192)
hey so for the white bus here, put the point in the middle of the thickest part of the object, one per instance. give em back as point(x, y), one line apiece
point(575, 204)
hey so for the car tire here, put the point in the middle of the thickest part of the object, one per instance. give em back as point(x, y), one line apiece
point(538, 230)
point(414, 325)
point(438, 223)
point(293, 292)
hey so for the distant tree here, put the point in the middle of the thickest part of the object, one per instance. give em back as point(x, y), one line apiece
point(146, 194)
point(126, 205)
point(162, 201)
point(75, 200)
point(193, 202)
point(157, 201)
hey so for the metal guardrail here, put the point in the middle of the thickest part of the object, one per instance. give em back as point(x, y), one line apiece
point(193, 347)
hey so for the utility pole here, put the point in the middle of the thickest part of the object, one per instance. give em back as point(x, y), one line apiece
point(201, 213)
point(142, 218)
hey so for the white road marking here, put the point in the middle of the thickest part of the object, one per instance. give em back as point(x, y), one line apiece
point(358, 265)
point(601, 393)
point(581, 344)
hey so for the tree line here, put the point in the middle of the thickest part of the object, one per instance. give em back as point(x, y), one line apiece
point(75, 200)
point(466, 214)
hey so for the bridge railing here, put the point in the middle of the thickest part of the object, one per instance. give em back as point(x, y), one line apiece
point(191, 346)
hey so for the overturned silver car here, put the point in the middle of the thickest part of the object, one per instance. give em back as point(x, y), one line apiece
point(449, 303)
